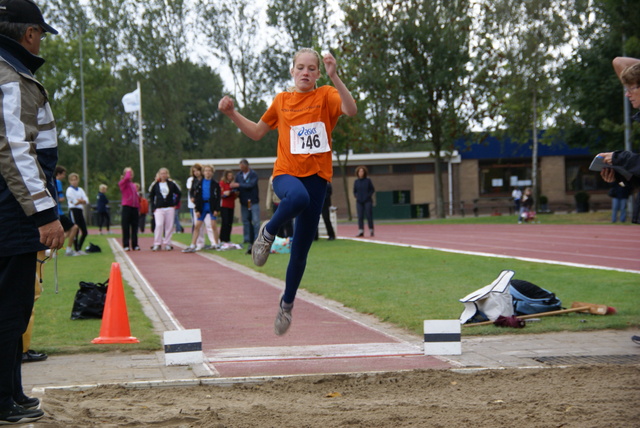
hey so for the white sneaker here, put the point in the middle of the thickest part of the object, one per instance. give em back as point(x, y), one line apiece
point(168, 248)
point(261, 247)
point(190, 249)
point(283, 318)
point(69, 252)
point(155, 248)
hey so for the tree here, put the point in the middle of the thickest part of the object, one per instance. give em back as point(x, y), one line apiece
point(409, 63)
point(524, 42)
point(595, 115)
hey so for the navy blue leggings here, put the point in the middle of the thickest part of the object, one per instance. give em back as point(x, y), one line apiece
point(300, 198)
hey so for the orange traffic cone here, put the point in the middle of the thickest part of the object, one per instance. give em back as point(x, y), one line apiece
point(115, 320)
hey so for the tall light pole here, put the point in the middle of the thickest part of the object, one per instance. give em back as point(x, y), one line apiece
point(85, 169)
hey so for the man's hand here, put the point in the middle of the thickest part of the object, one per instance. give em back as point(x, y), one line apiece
point(607, 158)
point(234, 185)
point(608, 175)
point(52, 235)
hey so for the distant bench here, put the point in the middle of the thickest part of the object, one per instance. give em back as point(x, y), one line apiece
point(492, 206)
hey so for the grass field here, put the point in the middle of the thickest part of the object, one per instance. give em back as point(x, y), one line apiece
point(399, 285)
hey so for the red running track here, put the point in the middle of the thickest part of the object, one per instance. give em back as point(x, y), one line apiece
point(602, 246)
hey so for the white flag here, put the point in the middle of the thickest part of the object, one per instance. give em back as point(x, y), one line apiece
point(131, 101)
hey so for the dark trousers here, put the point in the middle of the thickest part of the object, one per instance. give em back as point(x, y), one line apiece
point(365, 209)
point(300, 198)
point(226, 218)
point(326, 217)
point(104, 220)
point(142, 221)
point(17, 276)
point(77, 217)
point(286, 230)
point(129, 226)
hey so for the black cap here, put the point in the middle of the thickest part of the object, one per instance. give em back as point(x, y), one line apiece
point(23, 12)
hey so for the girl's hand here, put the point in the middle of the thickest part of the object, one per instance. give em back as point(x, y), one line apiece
point(226, 105)
point(330, 65)
point(607, 157)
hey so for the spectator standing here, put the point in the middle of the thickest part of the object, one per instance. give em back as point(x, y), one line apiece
point(517, 199)
point(619, 195)
point(102, 208)
point(28, 156)
point(326, 213)
point(628, 71)
point(143, 210)
point(273, 201)
point(363, 191)
point(70, 229)
point(227, 205)
point(206, 195)
point(192, 181)
point(247, 184)
point(130, 210)
point(164, 196)
point(77, 199)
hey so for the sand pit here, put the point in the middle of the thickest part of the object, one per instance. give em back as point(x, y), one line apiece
point(580, 397)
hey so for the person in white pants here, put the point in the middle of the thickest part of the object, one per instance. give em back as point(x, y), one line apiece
point(165, 196)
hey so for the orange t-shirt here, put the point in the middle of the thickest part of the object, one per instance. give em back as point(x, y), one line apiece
point(294, 110)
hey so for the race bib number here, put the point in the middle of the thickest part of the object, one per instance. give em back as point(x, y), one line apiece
point(309, 138)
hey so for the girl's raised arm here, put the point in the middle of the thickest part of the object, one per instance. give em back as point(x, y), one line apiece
point(348, 103)
point(251, 129)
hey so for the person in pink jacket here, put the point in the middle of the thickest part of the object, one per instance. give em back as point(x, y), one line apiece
point(130, 205)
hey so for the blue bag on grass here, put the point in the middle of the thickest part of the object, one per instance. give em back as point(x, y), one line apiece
point(528, 298)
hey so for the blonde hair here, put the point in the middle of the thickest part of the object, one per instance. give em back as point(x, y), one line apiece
point(103, 188)
point(307, 51)
point(208, 166)
point(73, 175)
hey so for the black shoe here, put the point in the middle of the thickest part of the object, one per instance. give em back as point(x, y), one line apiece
point(33, 356)
point(635, 339)
point(29, 402)
point(249, 249)
point(19, 415)
point(331, 238)
point(360, 235)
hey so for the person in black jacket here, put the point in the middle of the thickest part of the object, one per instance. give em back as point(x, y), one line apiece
point(363, 190)
point(247, 185)
point(28, 207)
point(164, 195)
point(628, 71)
point(206, 197)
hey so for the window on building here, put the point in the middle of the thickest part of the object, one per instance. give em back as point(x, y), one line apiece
point(499, 179)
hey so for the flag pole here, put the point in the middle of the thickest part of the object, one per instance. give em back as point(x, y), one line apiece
point(143, 187)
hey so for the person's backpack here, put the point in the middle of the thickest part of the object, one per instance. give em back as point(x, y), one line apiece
point(92, 248)
point(528, 298)
point(89, 300)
